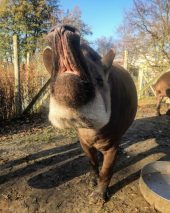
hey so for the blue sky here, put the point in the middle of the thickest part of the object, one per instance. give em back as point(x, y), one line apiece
point(103, 16)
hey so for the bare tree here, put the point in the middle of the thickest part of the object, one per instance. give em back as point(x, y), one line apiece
point(146, 32)
point(103, 44)
point(74, 17)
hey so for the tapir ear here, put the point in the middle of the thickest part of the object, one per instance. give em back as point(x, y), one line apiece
point(107, 60)
point(47, 59)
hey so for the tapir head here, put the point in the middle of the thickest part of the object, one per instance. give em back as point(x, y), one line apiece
point(80, 95)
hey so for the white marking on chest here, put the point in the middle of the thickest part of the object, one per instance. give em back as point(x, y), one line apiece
point(94, 112)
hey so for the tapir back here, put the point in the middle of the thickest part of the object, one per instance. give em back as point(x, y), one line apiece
point(123, 103)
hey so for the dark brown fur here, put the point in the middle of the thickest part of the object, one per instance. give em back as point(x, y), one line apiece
point(107, 139)
point(72, 92)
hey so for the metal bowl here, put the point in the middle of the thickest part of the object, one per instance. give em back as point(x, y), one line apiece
point(154, 184)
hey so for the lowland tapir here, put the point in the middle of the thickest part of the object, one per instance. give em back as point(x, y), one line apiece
point(162, 88)
point(91, 94)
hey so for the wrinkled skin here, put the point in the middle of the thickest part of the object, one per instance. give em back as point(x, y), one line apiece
point(162, 88)
point(91, 94)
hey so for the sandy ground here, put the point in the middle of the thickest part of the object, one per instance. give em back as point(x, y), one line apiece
point(45, 171)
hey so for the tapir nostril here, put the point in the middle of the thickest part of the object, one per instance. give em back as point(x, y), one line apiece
point(62, 28)
point(70, 29)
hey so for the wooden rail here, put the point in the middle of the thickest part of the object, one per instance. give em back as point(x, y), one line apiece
point(36, 97)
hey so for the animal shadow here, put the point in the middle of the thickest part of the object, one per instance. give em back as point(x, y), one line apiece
point(62, 164)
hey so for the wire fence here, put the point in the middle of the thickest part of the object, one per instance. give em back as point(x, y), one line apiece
point(32, 79)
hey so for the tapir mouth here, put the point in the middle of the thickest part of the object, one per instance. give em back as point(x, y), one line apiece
point(68, 52)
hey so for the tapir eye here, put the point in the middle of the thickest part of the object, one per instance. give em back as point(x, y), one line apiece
point(99, 81)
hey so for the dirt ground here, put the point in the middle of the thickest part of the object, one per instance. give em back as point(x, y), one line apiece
point(44, 170)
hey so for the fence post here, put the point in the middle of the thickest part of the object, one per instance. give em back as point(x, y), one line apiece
point(28, 59)
point(17, 76)
point(125, 63)
point(140, 80)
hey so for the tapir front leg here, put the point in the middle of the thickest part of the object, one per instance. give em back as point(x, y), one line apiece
point(91, 153)
point(105, 174)
point(87, 138)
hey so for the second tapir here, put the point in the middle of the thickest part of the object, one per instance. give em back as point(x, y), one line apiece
point(91, 94)
point(162, 88)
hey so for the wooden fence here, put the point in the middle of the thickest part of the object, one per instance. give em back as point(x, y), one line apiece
point(39, 98)
point(144, 83)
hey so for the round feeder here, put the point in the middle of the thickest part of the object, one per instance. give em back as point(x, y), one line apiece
point(154, 184)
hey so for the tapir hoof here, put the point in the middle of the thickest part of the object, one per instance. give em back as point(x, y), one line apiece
point(98, 197)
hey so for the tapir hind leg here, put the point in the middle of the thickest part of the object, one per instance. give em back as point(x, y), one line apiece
point(158, 106)
point(168, 95)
